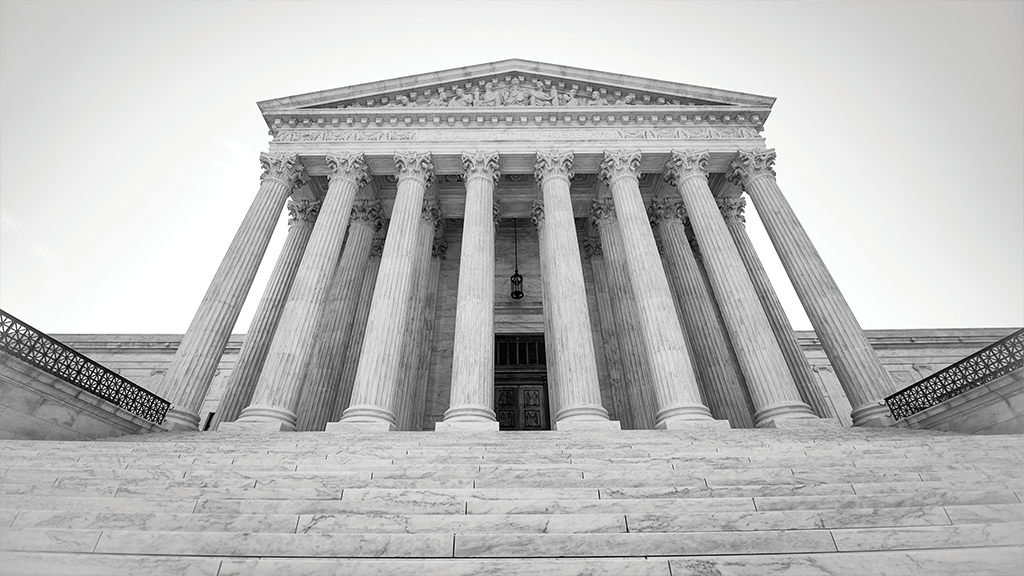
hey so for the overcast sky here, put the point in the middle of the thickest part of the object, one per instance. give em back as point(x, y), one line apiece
point(129, 135)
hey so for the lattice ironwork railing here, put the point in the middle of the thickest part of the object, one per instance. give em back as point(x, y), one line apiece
point(25, 342)
point(983, 366)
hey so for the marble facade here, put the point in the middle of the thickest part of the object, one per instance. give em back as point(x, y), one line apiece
point(649, 319)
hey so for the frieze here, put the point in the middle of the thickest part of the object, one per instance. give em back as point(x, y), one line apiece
point(694, 133)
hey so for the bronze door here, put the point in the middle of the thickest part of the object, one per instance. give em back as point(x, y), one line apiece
point(520, 382)
point(521, 407)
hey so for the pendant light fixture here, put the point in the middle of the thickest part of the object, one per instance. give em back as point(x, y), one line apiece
point(517, 278)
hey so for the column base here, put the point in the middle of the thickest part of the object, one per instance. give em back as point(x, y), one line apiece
point(178, 420)
point(783, 411)
point(469, 413)
point(466, 426)
point(693, 424)
point(682, 413)
point(804, 423)
point(875, 414)
point(360, 426)
point(266, 426)
point(563, 425)
point(267, 417)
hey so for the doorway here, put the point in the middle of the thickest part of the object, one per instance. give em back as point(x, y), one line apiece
point(520, 382)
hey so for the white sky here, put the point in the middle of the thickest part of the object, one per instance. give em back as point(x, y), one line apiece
point(129, 135)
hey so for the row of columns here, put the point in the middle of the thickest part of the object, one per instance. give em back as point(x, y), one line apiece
point(303, 353)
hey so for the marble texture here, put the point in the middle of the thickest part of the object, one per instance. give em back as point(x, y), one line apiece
point(461, 567)
point(956, 536)
point(413, 524)
point(65, 564)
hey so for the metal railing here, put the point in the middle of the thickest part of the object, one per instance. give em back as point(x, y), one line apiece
point(983, 366)
point(36, 348)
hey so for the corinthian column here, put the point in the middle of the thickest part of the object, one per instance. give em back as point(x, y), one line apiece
point(858, 369)
point(188, 378)
point(472, 390)
point(668, 358)
point(806, 383)
point(323, 370)
point(626, 316)
point(714, 360)
point(242, 383)
point(771, 386)
point(378, 377)
point(278, 390)
point(578, 395)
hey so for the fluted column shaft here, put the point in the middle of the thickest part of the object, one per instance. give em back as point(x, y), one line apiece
point(550, 348)
point(668, 358)
point(378, 377)
point(323, 370)
point(609, 331)
point(355, 347)
point(280, 385)
point(799, 367)
point(472, 389)
point(191, 371)
point(770, 384)
point(425, 346)
point(715, 363)
point(578, 393)
point(857, 367)
point(242, 383)
point(626, 312)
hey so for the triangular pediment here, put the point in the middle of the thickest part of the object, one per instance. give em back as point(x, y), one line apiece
point(514, 84)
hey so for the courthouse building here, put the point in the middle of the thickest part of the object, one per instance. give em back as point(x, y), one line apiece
point(615, 202)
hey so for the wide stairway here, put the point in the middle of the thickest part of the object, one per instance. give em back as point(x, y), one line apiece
point(713, 502)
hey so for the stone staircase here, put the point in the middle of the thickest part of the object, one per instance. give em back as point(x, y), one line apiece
point(722, 502)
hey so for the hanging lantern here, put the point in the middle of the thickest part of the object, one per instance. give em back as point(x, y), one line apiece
point(517, 278)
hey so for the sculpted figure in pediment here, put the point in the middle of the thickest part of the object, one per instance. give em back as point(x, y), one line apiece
point(462, 99)
point(438, 100)
point(490, 97)
point(596, 99)
point(400, 101)
point(538, 97)
point(515, 95)
point(626, 100)
point(570, 99)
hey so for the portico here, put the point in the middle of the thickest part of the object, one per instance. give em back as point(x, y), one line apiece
point(450, 171)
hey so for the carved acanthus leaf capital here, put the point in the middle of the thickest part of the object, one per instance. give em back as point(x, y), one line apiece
point(369, 213)
point(732, 209)
point(303, 212)
point(592, 247)
point(685, 165)
point(415, 165)
point(619, 164)
point(750, 165)
point(285, 168)
point(377, 247)
point(350, 166)
point(439, 248)
point(553, 164)
point(431, 212)
point(667, 210)
point(537, 213)
point(481, 164)
point(602, 211)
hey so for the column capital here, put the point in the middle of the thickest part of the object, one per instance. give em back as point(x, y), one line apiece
point(496, 213)
point(367, 213)
point(285, 168)
point(592, 247)
point(732, 209)
point(415, 165)
point(620, 164)
point(377, 247)
point(667, 210)
point(602, 211)
point(431, 212)
point(303, 213)
point(439, 248)
point(537, 213)
point(348, 166)
point(685, 165)
point(750, 165)
point(481, 164)
point(553, 164)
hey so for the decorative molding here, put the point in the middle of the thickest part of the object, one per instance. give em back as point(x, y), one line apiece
point(751, 165)
point(303, 212)
point(349, 166)
point(583, 134)
point(685, 165)
point(415, 165)
point(667, 210)
point(368, 213)
point(284, 168)
point(602, 211)
point(732, 210)
point(481, 164)
point(620, 164)
point(553, 164)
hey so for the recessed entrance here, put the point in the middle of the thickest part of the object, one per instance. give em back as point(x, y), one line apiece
point(521, 382)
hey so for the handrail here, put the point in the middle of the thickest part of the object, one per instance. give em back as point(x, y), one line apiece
point(33, 346)
point(983, 366)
